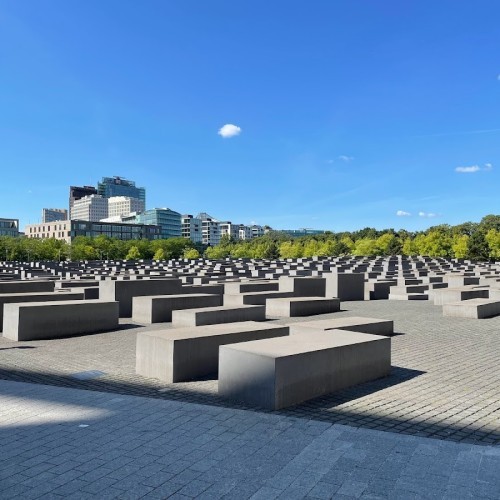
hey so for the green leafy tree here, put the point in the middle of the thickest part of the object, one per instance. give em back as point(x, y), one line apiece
point(159, 254)
point(191, 254)
point(460, 246)
point(133, 253)
point(493, 239)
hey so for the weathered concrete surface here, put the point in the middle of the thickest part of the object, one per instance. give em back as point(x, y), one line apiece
point(217, 315)
point(36, 297)
point(358, 324)
point(300, 306)
point(124, 291)
point(42, 320)
point(158, 308)
point(183, 354)
point(473, 308)
point(281, 372)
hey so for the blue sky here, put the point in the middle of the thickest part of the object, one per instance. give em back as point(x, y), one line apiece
point(350, 112)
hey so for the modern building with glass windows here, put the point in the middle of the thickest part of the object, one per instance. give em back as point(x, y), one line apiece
point(70, 229)
point(191, 228)
point(9, 227)
point(117, 186)
point(54, 214)
point(78, 192)
point(167, 219)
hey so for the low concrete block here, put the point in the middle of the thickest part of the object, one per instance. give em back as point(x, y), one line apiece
point(158, 308)
point(373, 326)
point(42, 320)
point(182, 354)
point(473, 308)
point(124, 291)
point(301, 306)
point(254, 298)
point(36, 297)
point(26, 286)
point(450, 295)
point(250, 287)
point(281, 372)
point(216, 315)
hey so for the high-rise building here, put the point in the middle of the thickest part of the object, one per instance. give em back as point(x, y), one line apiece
point(9, 227)
point(54, 214)
point(210, 229)
point(117, 186)
point(191, 228)
point(90, 208)
point(78, 192)
point(119, 206)
point(167, 219)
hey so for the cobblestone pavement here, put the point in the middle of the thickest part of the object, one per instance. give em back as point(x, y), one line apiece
point(73, 444)
point(445, 381)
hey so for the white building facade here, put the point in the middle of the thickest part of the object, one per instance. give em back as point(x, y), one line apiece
point(91, 208)
point(118, 206)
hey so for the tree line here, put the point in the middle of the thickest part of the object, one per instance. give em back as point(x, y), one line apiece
point(470, 240)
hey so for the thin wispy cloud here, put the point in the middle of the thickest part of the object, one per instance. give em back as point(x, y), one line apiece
point(402, 213)
point(474, 168)
point(462, 132)
point(229, 130)
point(346, 158)
point(427, 214)
point(468, 170)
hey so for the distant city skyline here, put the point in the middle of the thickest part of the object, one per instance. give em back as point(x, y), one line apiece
point(333, 116)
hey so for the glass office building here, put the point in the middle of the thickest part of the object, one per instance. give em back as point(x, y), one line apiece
point(168, 220)
point(117, 186)
point(9, 227)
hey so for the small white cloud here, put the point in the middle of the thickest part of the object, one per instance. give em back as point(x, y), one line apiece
point(229, 130)
point(345, 158)
point(488, 166)
point(427, 214)
point(468, 170)
point(402, 213)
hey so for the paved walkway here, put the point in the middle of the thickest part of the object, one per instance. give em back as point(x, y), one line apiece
point(68, 443)
point(445, 381)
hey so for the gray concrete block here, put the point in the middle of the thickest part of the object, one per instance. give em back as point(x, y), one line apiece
point(216, 315)
point(473, 308)
point(281, 372)
point(303, 287)
point(450, 295)
point(26, 286)
point(250, 287)
point(373, 326)
point(345, 286)
point(300, 306)
point(182, 354)
point(158, 308)
point(124, 291)
point(36, 297)
point(42, 320)
point(254, 298)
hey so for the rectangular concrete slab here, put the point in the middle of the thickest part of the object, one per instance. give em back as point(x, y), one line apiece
point(182, 354)
point(281, 372)
point(158, 308)
point(36, 297)
point(42, 320)
point(300, 306)
point(123, 291)
point(373, 326)
point(473, 308)
point(216, 315)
